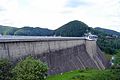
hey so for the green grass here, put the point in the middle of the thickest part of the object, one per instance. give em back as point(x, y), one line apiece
point(64, 76)
point(91, 74)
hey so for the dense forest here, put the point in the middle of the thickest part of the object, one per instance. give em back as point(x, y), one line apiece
point(107, 31)
point(72, 29)
point(25, 31)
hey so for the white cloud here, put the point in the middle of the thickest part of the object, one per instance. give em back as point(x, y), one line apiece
point(54, 13)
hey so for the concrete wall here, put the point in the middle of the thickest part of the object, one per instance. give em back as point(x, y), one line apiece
point(17, 49)
point(60, 55)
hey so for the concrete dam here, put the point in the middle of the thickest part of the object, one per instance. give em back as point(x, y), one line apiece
point(62, 54)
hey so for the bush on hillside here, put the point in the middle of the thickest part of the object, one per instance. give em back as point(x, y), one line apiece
point(117, 58)
point(5, 68)
point(30, 69)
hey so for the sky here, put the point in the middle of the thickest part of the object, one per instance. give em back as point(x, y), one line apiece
point(55, 13)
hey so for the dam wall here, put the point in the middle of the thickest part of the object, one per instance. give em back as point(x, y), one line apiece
point(61, 54)
point(16, 49)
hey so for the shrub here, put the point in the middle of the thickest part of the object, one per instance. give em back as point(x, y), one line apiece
point(30, 69)
point(117, 58)
point(5, 67)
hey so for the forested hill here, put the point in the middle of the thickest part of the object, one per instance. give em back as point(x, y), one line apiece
point(76, 29)
point(73, 28)
point(30, 31)
point(6, 30)
point(108, 31)
point(25, 31)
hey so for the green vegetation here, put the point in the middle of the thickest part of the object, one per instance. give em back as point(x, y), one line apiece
point(25, 31)
point(5, 30)
point(94, 75)
point(29, 31)
point(109, 45)
point(64, 76)
point(116, 67)
point(5, 69)
point(29, 69)
point(76, 29)
point(90, 74)
point(107, 31)
point(72, 29)
point(117, 58)
point(108, 56)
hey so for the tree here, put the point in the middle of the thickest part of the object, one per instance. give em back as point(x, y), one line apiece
point(5, 68)
point(116, 68)
point(117, 58)
point(30, 69)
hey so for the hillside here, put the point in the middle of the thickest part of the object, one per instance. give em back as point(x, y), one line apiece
point(85, 75)
point(108, 31)
point(76, 29)
point(6, 30)
point(72, 29)
point(25, 31)
point(30, 31)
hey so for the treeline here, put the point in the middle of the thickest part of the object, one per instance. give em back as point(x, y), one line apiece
point(77, 29)
point(110, 46)
point(25, 31)
point(71, 29)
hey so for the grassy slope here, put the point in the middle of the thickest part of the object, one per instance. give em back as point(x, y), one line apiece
point(64, 76)
point(81, 75)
